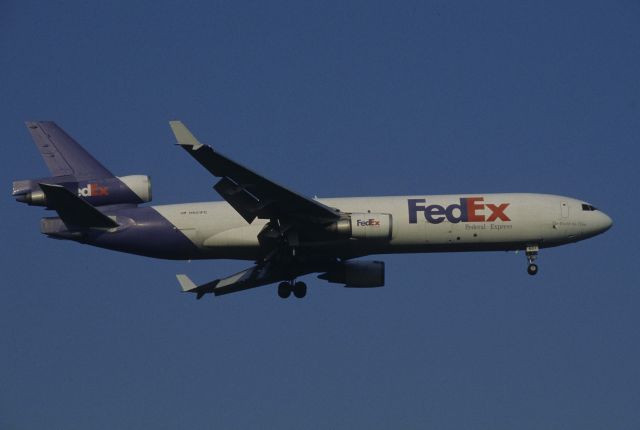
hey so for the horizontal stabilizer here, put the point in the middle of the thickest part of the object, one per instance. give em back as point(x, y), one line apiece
point(73, 210)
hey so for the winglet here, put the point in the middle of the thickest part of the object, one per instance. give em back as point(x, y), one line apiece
point(183, 135)
point(186, 284)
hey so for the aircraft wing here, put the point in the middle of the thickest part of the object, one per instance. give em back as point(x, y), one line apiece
point(252, 195)
point(255, 276)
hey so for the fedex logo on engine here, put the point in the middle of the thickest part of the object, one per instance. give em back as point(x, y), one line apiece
point(470, 209)
point(368, 223)
point(93, 190)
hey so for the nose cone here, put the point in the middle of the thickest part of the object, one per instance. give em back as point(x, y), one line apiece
point(603, 223)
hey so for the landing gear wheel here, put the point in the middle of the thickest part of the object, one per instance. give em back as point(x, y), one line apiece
point(531, 252)
point(284, 290)
point(300, 289)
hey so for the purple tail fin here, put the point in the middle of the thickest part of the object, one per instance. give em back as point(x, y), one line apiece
point(63, 155)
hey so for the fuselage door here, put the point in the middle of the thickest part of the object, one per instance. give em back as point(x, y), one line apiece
point(564, 209)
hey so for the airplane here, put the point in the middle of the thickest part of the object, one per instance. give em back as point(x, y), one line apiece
point(285, 234)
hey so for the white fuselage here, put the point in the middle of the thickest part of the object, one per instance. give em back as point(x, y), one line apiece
point(470, 222)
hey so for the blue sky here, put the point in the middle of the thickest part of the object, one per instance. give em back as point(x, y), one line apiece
point(331, 99)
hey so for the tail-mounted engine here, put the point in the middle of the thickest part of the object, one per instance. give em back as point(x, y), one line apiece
point(133, 189)
point(371, 226)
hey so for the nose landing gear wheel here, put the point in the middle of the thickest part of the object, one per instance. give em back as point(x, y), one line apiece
point(531, 252)
point(284, 290)
point(300, 289)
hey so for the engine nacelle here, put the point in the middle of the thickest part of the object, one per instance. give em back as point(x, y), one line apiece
point(370, 226)
point(140, 185)
point(133, 189)
point(357, 274)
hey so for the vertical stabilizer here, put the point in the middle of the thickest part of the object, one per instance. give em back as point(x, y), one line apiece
point(63, 155)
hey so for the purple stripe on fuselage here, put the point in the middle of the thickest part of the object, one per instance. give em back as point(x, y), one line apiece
point(145, 232)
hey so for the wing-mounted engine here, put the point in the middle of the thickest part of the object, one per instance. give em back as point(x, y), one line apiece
point(357, 274)
point(369, 226)
point(133, 189)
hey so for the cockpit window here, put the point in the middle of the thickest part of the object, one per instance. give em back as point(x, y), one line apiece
point(586, 207)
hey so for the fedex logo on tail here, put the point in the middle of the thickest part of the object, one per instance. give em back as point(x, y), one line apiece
point(470, 209)
point(93, 190)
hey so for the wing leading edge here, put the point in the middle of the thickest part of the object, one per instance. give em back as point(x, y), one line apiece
point(251, 195)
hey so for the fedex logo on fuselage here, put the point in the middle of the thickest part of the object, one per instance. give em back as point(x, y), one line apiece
point(470, 209)
point(93, 190)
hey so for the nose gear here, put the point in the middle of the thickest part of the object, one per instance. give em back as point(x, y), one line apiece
point(531, 252)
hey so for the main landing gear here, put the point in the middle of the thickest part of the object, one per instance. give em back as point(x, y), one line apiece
point(299, 289)
point(532, 253)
